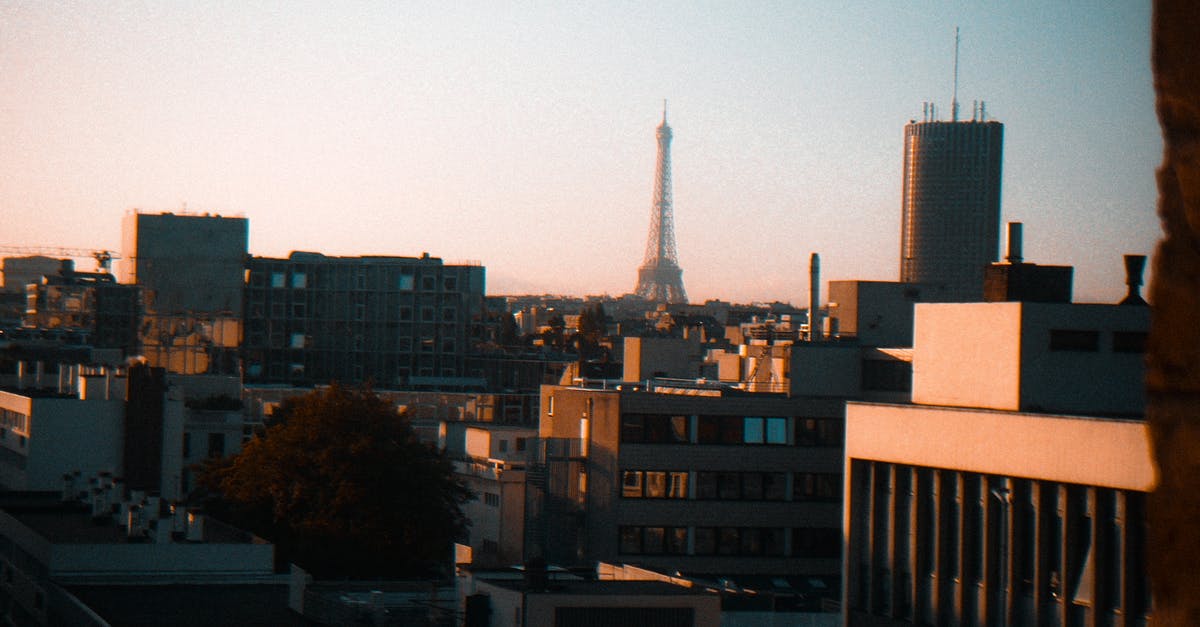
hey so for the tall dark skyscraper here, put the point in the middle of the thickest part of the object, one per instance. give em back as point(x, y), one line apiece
point(950, 227)
point(660, 277)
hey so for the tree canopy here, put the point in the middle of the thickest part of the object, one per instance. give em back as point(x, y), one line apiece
point(342, 486)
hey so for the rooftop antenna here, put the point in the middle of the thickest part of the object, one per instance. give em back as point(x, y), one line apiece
point(664, 110)
point(954, 100)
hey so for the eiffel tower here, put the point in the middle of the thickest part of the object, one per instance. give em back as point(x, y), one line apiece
point(659, 278)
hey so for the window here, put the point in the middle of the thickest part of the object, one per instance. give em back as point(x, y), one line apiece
point(299, 280)
point(819, 432)
point(774, 486)
point(764, 430)
point(187, 445)
point(1129, 342)
point(449, 314)
point(405, 284)
point(729, 486)
point(817, 486)
point(653, 540)
point(880, 375)
point(816, 542)
point(521, 443)
point(298, 310)
point(550, 405)
point(705, 541)
point(278, 279)
point(450, 283)
point(631, 483)
point(654, 484)
point(427, 314)
point(491, 500)
point(719, 430)
point(427, 284)
point(502, 446)
point(1074, 340)
point(405, 314)
point(216, 445)
point(654, 429)
point(298, 340)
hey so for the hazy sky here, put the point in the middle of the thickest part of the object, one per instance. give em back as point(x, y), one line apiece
point(522, 135)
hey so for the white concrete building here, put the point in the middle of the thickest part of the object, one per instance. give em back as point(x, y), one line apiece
point(1012, 489)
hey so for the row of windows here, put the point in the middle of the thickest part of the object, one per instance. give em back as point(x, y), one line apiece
point(681, 429)
point(731, 486)
point(1089, 341)
point(405, 281)
point(301, 310)
point(806, 542)
point(14, 420)
point(491, 499)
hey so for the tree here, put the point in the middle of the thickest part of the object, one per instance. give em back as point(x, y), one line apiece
point(343, 487)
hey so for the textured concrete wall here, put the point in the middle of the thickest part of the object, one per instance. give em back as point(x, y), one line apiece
point(1173, 355)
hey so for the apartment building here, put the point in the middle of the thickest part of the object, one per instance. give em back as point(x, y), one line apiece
point(700, 479)
point(394, 321)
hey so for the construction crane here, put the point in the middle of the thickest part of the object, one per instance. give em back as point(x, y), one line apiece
point(104, 258)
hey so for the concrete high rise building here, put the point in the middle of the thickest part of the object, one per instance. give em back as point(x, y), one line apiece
point(191, 268)
point(950, 227)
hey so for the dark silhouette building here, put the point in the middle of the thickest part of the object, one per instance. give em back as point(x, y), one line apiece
point(1016, 279)
point(950, 226)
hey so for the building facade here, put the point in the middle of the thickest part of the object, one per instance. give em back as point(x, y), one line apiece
point(394, 321)
point(950, 223)
point(690, 481)
point(191, 268)
point(1012, 489)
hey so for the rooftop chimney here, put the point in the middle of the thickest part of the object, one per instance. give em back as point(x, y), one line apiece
point(1014, 243)
point(1134, 265)
point(814, 298)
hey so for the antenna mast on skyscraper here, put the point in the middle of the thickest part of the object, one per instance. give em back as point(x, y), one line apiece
point(954, 99)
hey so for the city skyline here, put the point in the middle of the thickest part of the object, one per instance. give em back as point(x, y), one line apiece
point(523, 137)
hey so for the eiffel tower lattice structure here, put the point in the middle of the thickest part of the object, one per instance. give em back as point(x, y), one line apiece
point(660, 278)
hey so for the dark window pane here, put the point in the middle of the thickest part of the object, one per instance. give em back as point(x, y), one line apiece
point(751, 541)
point(727, 541)
point(654, 537)
point(774, 486)
point(705, 541)
point(752, 486)
point(632, 428)
point(706, 485)
point(631, 540)
point(1129, 342)
point(817, 542)
point(731, 430)
point(708, 430)
point(729, 486)
point(1074, 340)
point(772, 542)
point(677, 540)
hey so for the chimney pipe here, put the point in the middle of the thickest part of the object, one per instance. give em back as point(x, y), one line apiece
point(814, 298)
point(1134, 265)
point(1014, 243)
